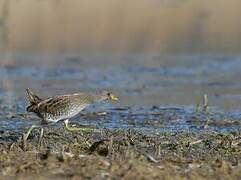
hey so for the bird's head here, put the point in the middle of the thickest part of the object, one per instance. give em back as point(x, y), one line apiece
point(106, 95)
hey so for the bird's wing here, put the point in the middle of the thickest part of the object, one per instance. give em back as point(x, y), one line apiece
point(50, 105)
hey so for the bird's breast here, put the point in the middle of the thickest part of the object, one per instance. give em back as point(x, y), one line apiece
point(63, 112)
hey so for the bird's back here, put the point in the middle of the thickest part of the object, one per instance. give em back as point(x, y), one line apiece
point(61, 107)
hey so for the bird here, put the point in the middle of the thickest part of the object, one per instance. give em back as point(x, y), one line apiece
point(62, 107)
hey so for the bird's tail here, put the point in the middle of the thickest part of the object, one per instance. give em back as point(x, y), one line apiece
point(33, 99)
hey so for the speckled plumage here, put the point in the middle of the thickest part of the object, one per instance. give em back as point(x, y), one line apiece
point(62, 107)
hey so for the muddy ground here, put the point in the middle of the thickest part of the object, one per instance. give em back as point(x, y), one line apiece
point(118, 154)
point(156, 131)
point(127, 143)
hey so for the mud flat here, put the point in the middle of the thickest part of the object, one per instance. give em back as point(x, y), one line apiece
point(148, 143)
point(118, 154)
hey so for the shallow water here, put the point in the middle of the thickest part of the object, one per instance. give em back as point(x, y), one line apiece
point(158, 93)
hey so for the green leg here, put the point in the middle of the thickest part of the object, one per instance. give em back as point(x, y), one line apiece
point(71, 129)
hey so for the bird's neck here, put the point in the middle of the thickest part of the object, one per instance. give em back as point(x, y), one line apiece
point(99, 98)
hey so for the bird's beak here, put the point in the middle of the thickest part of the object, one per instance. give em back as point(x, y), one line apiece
point(114, 98)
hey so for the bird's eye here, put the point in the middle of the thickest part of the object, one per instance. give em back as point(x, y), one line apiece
point(108, 94)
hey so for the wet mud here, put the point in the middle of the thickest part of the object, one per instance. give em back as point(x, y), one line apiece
point(123, 152)
point(161, 128)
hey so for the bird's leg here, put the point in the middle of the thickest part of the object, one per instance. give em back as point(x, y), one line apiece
point(25, 136)
point(71, 129)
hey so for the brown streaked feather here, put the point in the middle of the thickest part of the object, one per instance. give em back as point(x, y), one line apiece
point(62, 107)
point(58, 103)
point(32, 108)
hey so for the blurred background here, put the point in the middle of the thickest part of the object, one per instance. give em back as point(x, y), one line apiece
point(149, 52)
point(137, 26)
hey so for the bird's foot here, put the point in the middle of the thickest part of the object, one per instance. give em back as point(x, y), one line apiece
point(83, 129)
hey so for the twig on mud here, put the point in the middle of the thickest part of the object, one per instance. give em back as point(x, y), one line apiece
point(102, 113)
point(237, 142)
point(198, 108)
point(151, 158)
point(158, 150)
point(206, 124)
point(23, 143)
point(148, 156)
point(205, 109)
point(205, 103)
point(110, 148)
point(195, 142)
point(11, 146)
point(203, 106)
